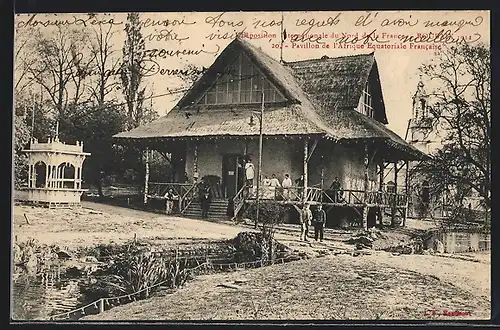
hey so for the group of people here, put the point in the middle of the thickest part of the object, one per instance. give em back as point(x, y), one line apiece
point(286, 183)
point(272, 185)
point(204, 196)
point(308, 217)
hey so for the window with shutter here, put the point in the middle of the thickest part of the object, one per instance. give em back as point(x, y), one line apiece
point(365, 103)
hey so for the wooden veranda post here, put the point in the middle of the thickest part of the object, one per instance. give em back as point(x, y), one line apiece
point(146, 178)
point(407, 193)
point(365, 197)
point(381, 190)
point(394, 201)
point(381, 176)
point(245, 150)
point(306, 154)
point(195, 162)
point(322, 178)
point(261, 120)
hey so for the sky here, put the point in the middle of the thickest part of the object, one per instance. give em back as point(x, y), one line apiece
point(212, 32)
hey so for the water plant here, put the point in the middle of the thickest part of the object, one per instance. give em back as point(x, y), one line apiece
point(132, 272)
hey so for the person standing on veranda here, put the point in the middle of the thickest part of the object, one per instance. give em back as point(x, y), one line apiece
point(319, 223)
point(249, 175)
point(274, 186)
point(274, 181)
point(337, 190)
point(286, 184)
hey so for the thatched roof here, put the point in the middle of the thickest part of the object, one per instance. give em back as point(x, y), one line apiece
point(321, 96)
point(225, 123)
point(337, 83)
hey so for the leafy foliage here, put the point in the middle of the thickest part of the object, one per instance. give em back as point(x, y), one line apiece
point(76, 70)
point(133, 271)
point(131, 71)
point(160, 169)
point(21, 139)
point(270, 215)
point(96, 127)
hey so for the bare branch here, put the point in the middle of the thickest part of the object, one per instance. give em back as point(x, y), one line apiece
point(462, 107)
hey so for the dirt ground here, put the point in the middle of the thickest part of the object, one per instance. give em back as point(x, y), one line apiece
point(332, 287)
point(102, 224)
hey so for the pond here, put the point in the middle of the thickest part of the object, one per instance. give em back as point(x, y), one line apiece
point(52, 291)
point(36, 297)
point(462, 241)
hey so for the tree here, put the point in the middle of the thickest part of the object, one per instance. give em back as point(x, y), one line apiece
point(105, 62)
point(461, 106)
point(42, 125)
point(21, 139)
point(96, 127)
point(60, 68)
point(23, 59)
point(131, 70)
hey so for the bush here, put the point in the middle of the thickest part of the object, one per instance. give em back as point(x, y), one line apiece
point(269, 213)
point(467, 217)
point(248, 247)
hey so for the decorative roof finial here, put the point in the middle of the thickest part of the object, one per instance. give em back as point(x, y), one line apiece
point(420, 81)
point(57, 132)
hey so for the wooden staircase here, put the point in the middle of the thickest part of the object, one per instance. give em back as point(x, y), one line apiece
point(217, 211)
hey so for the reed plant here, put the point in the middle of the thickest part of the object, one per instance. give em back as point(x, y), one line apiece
point(135, 272)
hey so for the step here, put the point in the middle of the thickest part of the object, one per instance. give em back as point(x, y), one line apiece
point(195, 210)
point(196, 214)
point(215, 207)
point(211, 204)
point(210, 215)
point(210, 218)
point(216, 201)
point(198, 209)
point(199, 212)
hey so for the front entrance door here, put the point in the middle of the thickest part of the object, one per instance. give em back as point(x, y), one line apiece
point(230, 175)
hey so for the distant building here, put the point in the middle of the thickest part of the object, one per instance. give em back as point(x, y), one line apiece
point(55, 173)
point(424, 136)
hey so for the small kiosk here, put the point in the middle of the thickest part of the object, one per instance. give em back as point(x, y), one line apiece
point(55, 173)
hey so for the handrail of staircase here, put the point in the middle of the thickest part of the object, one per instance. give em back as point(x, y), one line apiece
point(184, 198)
point(238, 201)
